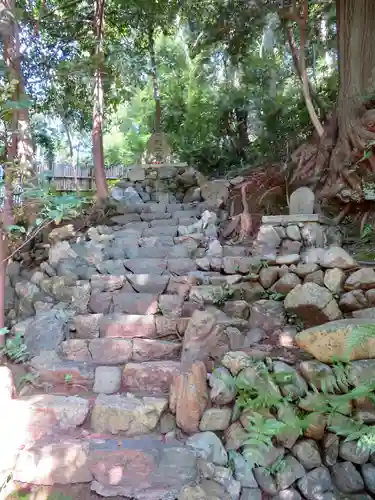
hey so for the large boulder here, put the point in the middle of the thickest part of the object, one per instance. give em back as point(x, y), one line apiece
point(46, 331)
point(363, 279)
point(313, 304)
point(337, 257)
point(334, 339)
point(215, 193)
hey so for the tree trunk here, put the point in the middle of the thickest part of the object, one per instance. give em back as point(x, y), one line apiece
point(71, 149)
point(242, 139)
point(97, 126)
point(17, 149)
point(356, 23)
point(296, 62)
point(155, 84)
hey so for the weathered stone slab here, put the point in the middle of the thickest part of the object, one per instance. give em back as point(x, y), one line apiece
point(181, 266)
point(135, 303)
point(68, 411)
point(313, 304)
point(150, 377)
point(148, 283)
point(156, 241)
point(189, 397)
point(100, 302)
point(63, 461)
point(155, 350)
point(51, 369)
point(284, 220)
point(127, 414)
point(142, 266)
point(146, 468)
point(302, 201)
point(87, 326)
point(46, 331)
point(127, 326)
point(75, 350)
point(111, 351)
point(163, 230)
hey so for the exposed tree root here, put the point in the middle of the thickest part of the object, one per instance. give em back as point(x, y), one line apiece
point(341, 166)
point(247, 200)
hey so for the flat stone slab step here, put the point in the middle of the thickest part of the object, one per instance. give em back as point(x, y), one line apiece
point(52, 370)
point(136, 252)
point(153, 376)
point(117, 351)
point(40, 415)
point(130, 326)
point(143, 466)
point(148, 377)
point(180, 266)
point(110, 290)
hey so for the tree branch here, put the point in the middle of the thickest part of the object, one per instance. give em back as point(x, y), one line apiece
point(302, 23)
point(295, 56)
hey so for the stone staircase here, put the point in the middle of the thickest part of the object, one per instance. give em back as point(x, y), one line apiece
point(138, 312)
point(97, 411)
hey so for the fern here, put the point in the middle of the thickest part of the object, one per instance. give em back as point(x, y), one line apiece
point(356, 431)
point(15, 349)
point(341, 373)
point(248, 401)
point(359, 335)
point(261, 432)
point(252, 398)
point(284, 378)
point(277, 466)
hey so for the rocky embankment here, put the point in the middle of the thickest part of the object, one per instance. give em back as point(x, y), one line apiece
point(164, 365)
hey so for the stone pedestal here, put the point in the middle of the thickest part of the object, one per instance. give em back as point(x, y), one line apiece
point(293, 234)
point(159, 182)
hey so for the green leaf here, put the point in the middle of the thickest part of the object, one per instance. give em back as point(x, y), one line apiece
point(4, 331)
point(15, 228)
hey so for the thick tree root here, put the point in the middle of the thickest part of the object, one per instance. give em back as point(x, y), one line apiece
point(344, 169)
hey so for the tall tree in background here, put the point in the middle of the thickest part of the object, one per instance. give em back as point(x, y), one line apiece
point(355, 113)
point(154, 76)
point(18, 143)
point(341, 163)
point(98, 108)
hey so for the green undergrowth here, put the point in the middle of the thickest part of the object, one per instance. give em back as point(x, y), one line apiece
point(272, 413)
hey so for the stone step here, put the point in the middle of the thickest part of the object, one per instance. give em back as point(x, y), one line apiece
point(175, 209)
point(118, 351)
point(51, 370)
point(153, 377)
point(130, 467)
point(129, 326)
point(179, 266)
point(146, 377)
point(109, 291)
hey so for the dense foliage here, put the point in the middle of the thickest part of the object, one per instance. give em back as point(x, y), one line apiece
point(230, 95)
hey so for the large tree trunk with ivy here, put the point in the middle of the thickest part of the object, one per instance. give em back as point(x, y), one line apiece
point(340, 164)
point(98, 110)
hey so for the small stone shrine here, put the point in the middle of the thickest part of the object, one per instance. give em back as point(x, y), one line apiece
point(296, 233)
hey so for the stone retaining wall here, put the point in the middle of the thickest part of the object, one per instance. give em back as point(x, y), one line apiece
point(223, 341)
point(295, 234)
